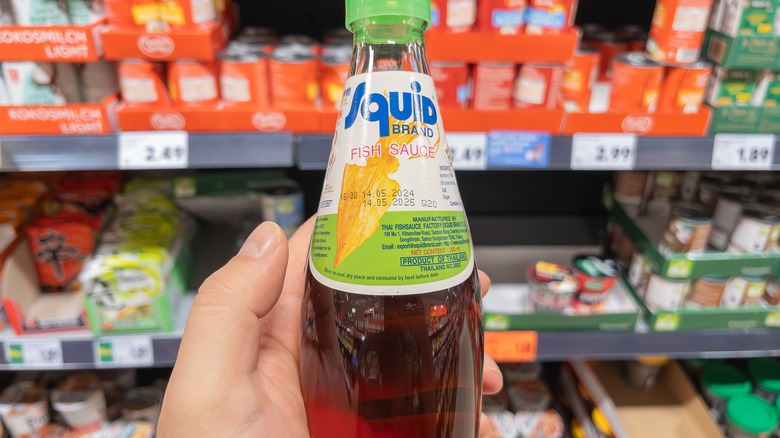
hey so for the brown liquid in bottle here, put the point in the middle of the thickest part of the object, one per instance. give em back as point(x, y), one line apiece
point(392, 366)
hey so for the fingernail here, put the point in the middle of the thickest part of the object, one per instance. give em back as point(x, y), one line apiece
point(262, 241)
point(491, 367)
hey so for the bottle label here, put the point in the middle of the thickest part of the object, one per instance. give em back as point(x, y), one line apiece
point(391, 221)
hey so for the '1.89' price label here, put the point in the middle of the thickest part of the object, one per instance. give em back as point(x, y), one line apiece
point(153, 150)
point(34, 353)
point(743, 152)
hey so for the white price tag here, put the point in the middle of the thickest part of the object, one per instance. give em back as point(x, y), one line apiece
point(743, 152)
point(43, 353)
point(603, 152)
point(153, 150)
point(129, 351)
point(468, 150)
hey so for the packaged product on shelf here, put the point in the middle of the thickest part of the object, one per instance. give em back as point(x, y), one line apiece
point(262, 31)
point(243, 77)
point(193, 83)
point(32, 83)
point(767, 91)
point(550, 16)
point(6, 17)
point(141, 83)
point(453, 15)
point(80, 400)
point(493, 83)
point(548, 424)
point(529, 395)
point(552, 287)
point(610, 45)
point(596, 277)
point(757, 230)
point(728, 210)
point(639, 274)
point(85, 12)
point(744, 17)
point(643, 372)
point(731, 87)
point(337, 36)
point(299, 40)
point(67, 79)
point(719, 383)
point(188, 13)
point(688, 230)
point(664, 293)
point(683, 88)
point(283, 204)
point(334, 70)
point(630, 190)
point(749, 416)
point(39, 12)
point(60, 247)
point(145, 14)
point(5, 98)
point(708, 291)
point(578, 80)
point(142, 404)
point(538, 86)
point(677, 30)
point(24, 409)
point(772, 292)
point(452, 83)
point(134, 429)
point(293, 73)
point(521, 371)
point(765, 373)
point(635, 84)
point(502, 16)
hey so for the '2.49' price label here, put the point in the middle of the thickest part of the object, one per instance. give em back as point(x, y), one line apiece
point(743, 152)
point(44, 353)
point(125, 351)
point(468, 151)
point(603, 152)
point(153, 150)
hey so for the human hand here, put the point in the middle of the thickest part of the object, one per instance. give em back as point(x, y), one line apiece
point(237, 372)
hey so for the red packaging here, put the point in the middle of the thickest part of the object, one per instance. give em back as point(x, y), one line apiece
point(59, 247)
point(453, 15)
point(293, 73)
point(609, 45)
point(684, 87)
point(677, 30)
point(141, 83)
point(188, 13)
point(550, 16)
point(243, 78)
point(502, 16)
point(538, 86)
point(193, 83)
point(578, 80)
point(334, 71)
point(452, 83)
point(636, 82)
point(493, 85)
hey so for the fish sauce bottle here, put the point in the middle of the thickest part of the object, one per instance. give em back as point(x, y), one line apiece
point(392, 336)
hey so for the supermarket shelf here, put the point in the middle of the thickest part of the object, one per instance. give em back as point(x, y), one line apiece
point(653, 153)
point(206, 151)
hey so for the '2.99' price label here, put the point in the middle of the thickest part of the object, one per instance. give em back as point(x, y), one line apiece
point(42, 353)
point(603, 152)
point(468, 151)
point(153, 150)
point(743, 152)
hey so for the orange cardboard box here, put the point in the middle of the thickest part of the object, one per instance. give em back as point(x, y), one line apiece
point(51, 43)
point(638, 123)
point(475, 47)
point(75, 119)
point(200, 44)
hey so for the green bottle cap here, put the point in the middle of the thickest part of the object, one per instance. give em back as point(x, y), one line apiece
point(751, 414)
point(725, 381)
point(765, 373)
point(359, 9)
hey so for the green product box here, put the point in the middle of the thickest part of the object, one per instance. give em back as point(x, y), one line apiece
point(767, 91)
point(731, 87)
point(707, 318)
point(769, 123)
point(745, 120)
point(646, 232)
point(743, 17)
point(744, 51)
point(509, 307)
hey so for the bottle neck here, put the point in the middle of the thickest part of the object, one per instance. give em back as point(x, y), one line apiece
point(391, 43)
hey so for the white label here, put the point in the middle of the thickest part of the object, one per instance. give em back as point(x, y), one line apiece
point(691, 19)
point(139, 90)
point(603, 152)
point(198, 89)
point(743, 152)
point(43, 353)
point(235, 89)
point(461, 13)
point(391, 220)
point(734, 293)
point(665, 294)
point(125, 351)
point(153, 150)
point(468, 151)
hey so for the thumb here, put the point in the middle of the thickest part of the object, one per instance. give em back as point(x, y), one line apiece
point(223, 330)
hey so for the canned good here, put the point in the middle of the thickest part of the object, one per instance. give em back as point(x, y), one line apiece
point(338, 36)
point(550, 16)
point(748, 416)
point(188, 13)
point(142, 404)
point(667, 185)
point(738, 289)
point(636, 82)
point(193, 82)
point(731, 87)
point(578, 80)
point(687, 231)
point(630, 189)
point(639, 273)
point(141, 83)
point(243, 78)
point(85, 12)
point(754, 294)
point(293, 73)
point(24, 409)
point(728, 210)
point(79, 399)
point(708, 291)
point(665, 294)
point(538, 86)
point(684, 87)
point(452, 83)
point(767, 91)
point(595, 276)
point(521, 371)
point(32, 83)
point(502, 16)
point(255, 43)
point(552, 287)
point(493, 86)
point(529, 395)
point(765, 373)
point(283, 204)
point(690, 186)
point(334, 70)
point(609, 45)
point(772, 292)
point(745, 17)
point(756, 231)
point(677, 30)
point(453, 15)
point(39, 13)
point(719, 383)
